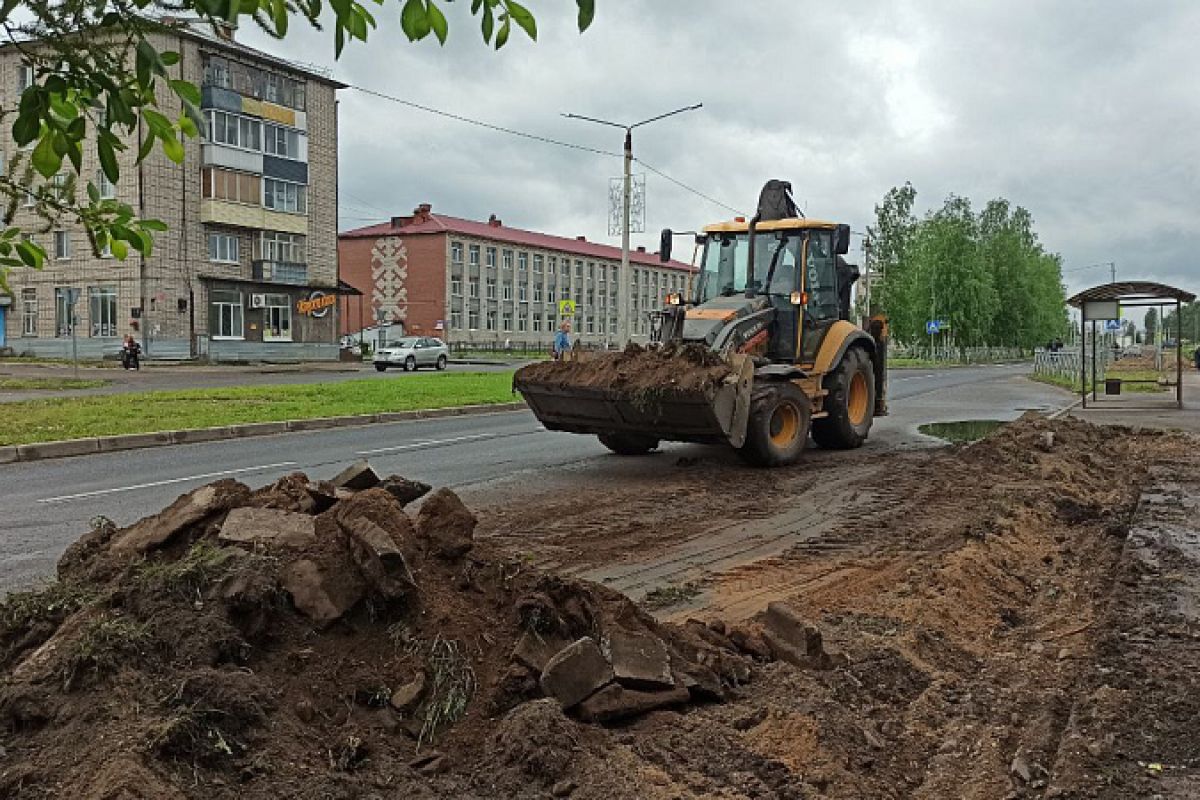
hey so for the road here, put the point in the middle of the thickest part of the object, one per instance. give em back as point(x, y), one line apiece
point(47, 504)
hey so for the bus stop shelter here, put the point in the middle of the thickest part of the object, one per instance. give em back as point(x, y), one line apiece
point(1105, 302)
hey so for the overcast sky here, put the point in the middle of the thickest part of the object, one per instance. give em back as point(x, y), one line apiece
point(1085, 113)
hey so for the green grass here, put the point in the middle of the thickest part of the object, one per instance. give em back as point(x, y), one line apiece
point(49, 360)
point(1072, 384)
point(49, 384)
point(31, 421)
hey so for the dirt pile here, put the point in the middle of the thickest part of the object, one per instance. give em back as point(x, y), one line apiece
point(636, 369)
point(312, 639)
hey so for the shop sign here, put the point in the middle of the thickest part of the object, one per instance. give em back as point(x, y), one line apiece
point(317, 304)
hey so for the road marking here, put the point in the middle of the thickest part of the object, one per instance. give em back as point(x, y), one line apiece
point(426, 443)
point(166, 482)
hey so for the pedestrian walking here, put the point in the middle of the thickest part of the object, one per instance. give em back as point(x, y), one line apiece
point(562, 340)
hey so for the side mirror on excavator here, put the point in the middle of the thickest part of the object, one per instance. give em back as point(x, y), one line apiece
point(664, 245)
point(841, 240)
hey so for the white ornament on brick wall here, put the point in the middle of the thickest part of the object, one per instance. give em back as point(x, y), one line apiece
point(389, 275)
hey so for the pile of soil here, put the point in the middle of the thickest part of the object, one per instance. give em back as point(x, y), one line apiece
point(314, 640)
point(636, 369)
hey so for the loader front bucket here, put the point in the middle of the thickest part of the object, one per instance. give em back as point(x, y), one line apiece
point(713, 414)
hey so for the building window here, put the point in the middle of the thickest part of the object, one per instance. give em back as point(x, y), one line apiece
point(523, 261)
point(107, 189)
point(491, 288)
point(507, 291)
point(507, 321)
point(522, 323)
point(537, 294)
point(490, 261)
point(578, 269)
point(237, 187)
point(282, 248)
point(456, 286)
point(507, 262)
point(491, 320)
point(474, 286)
point(591, 324)
point(29, 312)
point(277, 318)
point(456, 253)
point(62, 313)
point(102, 306)
point(225, 320)
point(282, 142)
point(455, 320)
point(550, 294)
point(551, 265)
point(283, 196)
point(24, 77)
point(537, 264)
point(223, 248)
point(537, 322)
point(473, 255)
point(62, 245)
point(233, 130)
point(473, 319)
point(591, 297)
point(59, 186)
point(523, 293)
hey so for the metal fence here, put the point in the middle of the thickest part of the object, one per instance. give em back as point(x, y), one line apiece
point(958, 355)
point(1065, 363)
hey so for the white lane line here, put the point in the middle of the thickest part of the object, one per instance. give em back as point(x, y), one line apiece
point(166, 482)
point(426, 443)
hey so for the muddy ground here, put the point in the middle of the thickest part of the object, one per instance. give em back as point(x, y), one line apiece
point(1011, 618)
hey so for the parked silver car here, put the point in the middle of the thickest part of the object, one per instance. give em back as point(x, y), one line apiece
point(412, 352)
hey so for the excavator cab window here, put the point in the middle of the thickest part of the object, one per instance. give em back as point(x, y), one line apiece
point(820, 278)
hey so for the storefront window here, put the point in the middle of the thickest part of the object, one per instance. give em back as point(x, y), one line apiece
point(225, 317)
point(277, 318)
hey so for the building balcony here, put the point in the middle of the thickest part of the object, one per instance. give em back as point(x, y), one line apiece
point(243, 215)
point(280, 272)
point(218, 155)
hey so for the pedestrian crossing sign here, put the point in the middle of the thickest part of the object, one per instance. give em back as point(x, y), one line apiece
point(566, 308)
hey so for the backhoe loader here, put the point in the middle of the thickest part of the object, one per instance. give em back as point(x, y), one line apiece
point(771, 298)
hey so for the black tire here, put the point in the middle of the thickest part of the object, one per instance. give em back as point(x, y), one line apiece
point(410, 364)
point(628, 444)
point(380, 367)
point(780, 415)
point(850, 403)
point(441, 362)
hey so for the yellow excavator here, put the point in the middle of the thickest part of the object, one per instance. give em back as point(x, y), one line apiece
point(771, 298)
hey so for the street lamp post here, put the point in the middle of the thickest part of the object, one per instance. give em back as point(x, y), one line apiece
point(623, 273)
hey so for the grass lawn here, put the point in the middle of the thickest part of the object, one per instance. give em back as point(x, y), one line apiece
point(49, 384)
point(31, 421)
point(1072, 384)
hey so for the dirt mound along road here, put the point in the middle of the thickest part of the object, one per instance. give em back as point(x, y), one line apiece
point(312, 640)
point(634, 370)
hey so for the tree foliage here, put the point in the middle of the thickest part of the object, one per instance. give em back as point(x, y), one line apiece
point(100, 82)
point(1190, 329)
point(983, 273)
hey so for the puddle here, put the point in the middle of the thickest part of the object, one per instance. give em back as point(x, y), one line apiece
point(960, 432)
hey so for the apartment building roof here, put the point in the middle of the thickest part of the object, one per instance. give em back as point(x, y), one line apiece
point(424, 221)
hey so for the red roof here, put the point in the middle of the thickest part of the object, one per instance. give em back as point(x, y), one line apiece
point(440, 223)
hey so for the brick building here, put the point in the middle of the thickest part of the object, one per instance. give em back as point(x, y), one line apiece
point(482, 282)
point(252, 215)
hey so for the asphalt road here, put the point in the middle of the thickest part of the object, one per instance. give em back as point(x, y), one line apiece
point(45, 505)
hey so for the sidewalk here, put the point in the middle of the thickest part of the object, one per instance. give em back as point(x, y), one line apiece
point(1148, 410)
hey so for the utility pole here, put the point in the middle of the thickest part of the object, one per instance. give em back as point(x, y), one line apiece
point(627, 177)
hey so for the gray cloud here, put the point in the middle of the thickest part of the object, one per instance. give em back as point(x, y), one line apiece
point(1083, 113)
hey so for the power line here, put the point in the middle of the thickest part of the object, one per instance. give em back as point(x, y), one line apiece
point(538, 138)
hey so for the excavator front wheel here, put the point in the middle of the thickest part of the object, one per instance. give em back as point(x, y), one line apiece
point(777, 431)
point(628, 444)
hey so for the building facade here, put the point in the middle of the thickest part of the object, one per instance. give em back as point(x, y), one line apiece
point(248, 266)
point(483, 283)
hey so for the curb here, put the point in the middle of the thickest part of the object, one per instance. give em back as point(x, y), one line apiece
point(1056, 414)
point(136, 441)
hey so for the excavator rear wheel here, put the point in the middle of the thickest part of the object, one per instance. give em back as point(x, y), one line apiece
point(627, 444)
point(777, 431)
point(850, 403)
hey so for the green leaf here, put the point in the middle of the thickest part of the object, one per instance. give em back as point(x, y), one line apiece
point(93, 192)
point(75, 154)
point(173, 148)
point(154, 225)
point(187, 91)
point(437, 21)
point(169, 57)
point(339, 39)
point(45, 160)
point(587, 11)
point(487, 23)
point(502, 34)
point(26, 128)
point(119, 249)
point(187, 126)
point(146, 148)
point(31, 255)
point(160, 126)
point(279, 14)
point(520, 15)
point(414, 20)
point(108, 159)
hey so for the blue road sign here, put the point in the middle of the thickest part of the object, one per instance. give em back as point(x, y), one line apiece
point(1112, 324)
point(933, 326)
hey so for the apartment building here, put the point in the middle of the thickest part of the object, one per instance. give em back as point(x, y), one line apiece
point(248, 266)
point(483, 282)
